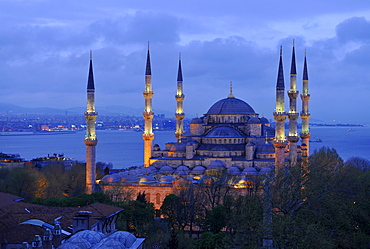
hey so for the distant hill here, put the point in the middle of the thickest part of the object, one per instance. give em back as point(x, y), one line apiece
point(108, 110)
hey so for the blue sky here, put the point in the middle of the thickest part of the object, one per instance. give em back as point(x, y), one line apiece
point(44, 53)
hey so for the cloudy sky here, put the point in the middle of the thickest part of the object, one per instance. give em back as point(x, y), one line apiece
point(44, 53)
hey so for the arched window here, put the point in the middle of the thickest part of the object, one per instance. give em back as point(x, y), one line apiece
point(158, 198)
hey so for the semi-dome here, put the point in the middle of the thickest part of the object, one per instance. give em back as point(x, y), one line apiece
point(254, 120)
point(166, 179)
point(198, 170)
point(182, 168)
point(230, 106)
point(178, 147)
point(250, 171)
point(224, 131)
point(234, 170)
point(217, 164)
point(265, 148)
point(264, 120)
point(165, 169)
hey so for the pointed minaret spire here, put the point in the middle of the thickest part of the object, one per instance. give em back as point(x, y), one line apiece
point(280, 79)
point(179, 99)
point(305, 114)
point(293, 114)
point(90, 138)
point(90, 81)
point(280, 116)
point(148, 113)
point(148, 70)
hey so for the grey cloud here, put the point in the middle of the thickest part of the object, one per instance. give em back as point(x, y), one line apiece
point(353, 29)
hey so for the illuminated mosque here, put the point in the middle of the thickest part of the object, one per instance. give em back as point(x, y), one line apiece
point(231, 137)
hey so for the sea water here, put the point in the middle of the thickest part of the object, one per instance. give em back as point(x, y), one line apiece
point(125, 148)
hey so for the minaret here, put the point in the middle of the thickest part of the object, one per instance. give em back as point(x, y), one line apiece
point(293, 114)
point(179, 100)
point(305, 115)
point(148, 113)
point(90, 138)
point(280, 116)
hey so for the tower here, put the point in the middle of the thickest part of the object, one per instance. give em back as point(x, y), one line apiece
point(179, 100)
point(90, 138)
point(305, 115)
point(293, 114)
point(280, 117)
point(148, 113)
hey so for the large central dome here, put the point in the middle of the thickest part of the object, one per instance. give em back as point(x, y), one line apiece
point(231, 106)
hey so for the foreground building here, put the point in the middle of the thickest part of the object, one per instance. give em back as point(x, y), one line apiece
point(231, 137)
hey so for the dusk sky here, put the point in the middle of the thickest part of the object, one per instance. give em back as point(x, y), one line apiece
point(44, 53)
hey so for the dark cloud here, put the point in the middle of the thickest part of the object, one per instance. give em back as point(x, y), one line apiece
point(353, 29)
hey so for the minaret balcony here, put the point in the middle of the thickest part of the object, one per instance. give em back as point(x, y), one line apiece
point(148, 94)
point(293, 139)
point(179, 115)
point(279, 144)
point(305, 135)
point(148, 115)
point(148, 136)
point(91, 142)
point(293, 94)
point(305, 97)
point(293, 115)
point(91, 116)
point(305, 115)
point(280, 116)
point(180, 97)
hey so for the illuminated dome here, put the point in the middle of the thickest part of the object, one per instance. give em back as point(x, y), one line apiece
point(224, 131)
point(230, 106)
point(250, 171)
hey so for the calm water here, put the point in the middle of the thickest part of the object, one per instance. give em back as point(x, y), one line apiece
point(125, 148)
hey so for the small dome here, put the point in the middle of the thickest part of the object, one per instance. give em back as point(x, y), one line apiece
point(234, 170)
point(265, 171)
point(264, 120)
point(128, 178)
point(110, 243)
point(166, 170)
point(166, 179)
point(147, 179)
point(230, 106)
point(182, 168)
point(198, 170)
point(91, 236)
point(265, 148)
point(67, 245)
point(80, 242)
point(254, 120)
point(178, 147)
point(124, 237)
point(196, 121)
point(223, 131)
point(250, 171)
point(216, 164)
point(156, 147)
